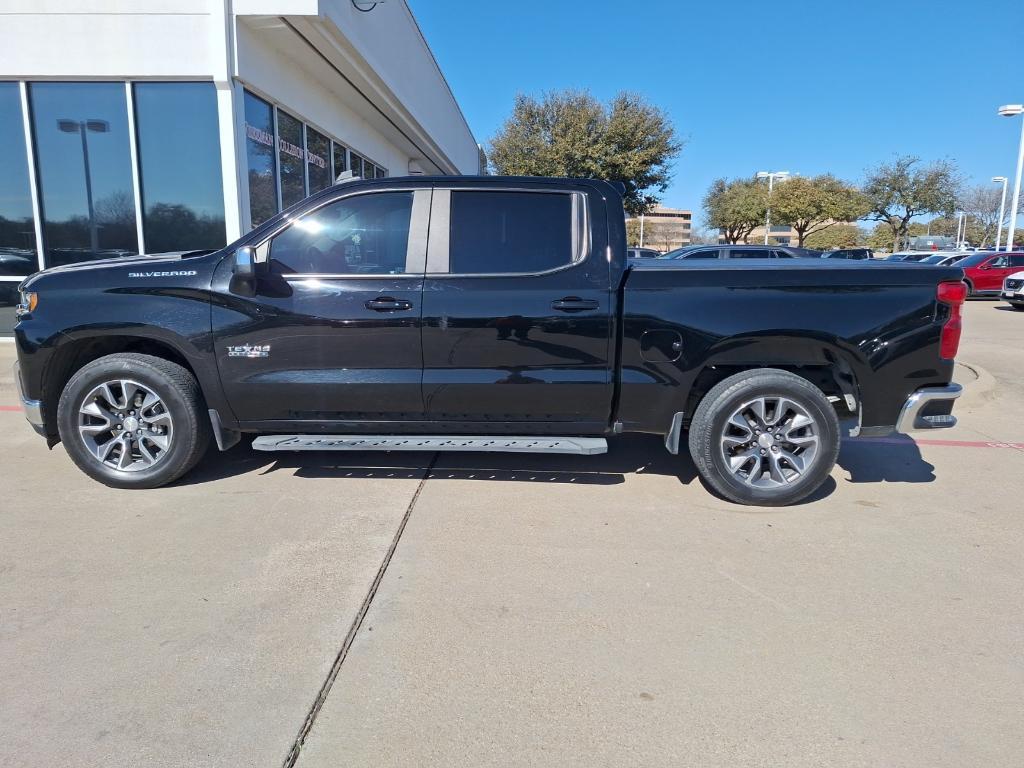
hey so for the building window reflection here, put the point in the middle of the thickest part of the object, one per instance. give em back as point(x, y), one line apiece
point(179, 166)
point(290, 154)
point(80, 131)
point(259, 152)
point(318, 160)
point(18, 256)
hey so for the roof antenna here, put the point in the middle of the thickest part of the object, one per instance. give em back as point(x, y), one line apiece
point(346, 176)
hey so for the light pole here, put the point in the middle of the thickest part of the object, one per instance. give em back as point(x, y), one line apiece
point(1002, 209)
point(961, 231)
point(641, 230)
point(771, 176)
point(1012, 110)
point(82, 127)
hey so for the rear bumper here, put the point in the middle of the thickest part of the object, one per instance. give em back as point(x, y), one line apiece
point(929, 408)
point(33, 408)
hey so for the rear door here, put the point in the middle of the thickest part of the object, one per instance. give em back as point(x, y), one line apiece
point(332, 333)
point(517, 310)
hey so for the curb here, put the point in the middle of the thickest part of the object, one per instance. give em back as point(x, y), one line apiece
point(981, 389)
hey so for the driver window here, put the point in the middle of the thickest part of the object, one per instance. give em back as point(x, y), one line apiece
point(359, 235)
point(998, 262)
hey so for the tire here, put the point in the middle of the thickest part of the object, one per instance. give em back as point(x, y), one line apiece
point(155, 401)
point(729, 457)
point(970, 289)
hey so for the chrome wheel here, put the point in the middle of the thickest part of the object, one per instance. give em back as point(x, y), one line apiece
point(769, 442)
point(125, 425)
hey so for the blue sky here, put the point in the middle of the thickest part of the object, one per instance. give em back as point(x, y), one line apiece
point(809, 87)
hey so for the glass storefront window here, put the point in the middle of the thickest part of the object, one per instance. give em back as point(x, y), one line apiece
point(259, 152)
point(356, 163)
point(290, 153)
point(179, 166)
point(381, 173)
point(340, 164)
point(85, 174)
point(318, 160)
point(18, 256)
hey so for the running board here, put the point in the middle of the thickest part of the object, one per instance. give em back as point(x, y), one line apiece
point(586, 446)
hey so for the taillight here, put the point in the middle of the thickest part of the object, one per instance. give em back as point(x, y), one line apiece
point(952, 295)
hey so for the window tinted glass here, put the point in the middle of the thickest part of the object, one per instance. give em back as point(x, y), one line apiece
point(497, 232)
point(340, 164)
point(259, 152)
point(365, 234)
point(787, 255)
point(750, 253)
point(356, 164)
point(289, 152)
point(381, 173)
point(704, 253)
point(179, 166)
point(17, 229)
point(82, 151)
point(318, 160)
point(1017, 261)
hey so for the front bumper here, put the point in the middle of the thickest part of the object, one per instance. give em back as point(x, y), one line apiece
point(929, 408)
point(33, 408)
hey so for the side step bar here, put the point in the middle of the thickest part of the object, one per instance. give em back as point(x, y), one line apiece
point(586, 446)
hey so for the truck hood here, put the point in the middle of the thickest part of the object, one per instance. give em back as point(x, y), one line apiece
point(144, 262)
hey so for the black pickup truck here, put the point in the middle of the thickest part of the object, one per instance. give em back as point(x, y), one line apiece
point(481, 314)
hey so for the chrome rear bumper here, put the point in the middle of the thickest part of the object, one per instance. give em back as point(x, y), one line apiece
point(33, 408)
point(929, 408)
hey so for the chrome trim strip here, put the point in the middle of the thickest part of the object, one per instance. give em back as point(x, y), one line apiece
point(909, 421)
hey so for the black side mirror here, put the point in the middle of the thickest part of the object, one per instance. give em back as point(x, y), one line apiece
point(244, 264)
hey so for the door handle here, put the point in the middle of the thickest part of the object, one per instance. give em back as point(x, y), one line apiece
point(388, 304)
point(574, 304)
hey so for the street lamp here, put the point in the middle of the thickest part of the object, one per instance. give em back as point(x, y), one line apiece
point(771, 176)
point(82, 127)
point(1012, 110)
point(1002, 209)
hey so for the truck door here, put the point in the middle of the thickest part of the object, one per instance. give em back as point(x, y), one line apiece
point(517, 310)
point(333, 330)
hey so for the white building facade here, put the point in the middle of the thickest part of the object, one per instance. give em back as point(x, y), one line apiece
point(142, 126)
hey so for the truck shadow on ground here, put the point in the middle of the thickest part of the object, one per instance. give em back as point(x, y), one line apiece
point(893, 460)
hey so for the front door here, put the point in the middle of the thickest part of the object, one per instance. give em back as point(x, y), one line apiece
point(332, 334)
point(517, 311)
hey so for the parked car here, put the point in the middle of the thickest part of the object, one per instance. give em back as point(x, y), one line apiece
point(741, 252)
point(1013, 290)
point(643, 253)
point(984, 272)
point(849, 253)
point(944, 258)
point(480, 314)
point(909, 255)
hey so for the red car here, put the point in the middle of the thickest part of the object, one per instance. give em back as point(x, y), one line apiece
point(984, 272)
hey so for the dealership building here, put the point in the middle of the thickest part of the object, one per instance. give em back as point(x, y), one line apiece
point(144, 126)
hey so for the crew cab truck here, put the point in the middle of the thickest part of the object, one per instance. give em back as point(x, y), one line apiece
point(481, 314)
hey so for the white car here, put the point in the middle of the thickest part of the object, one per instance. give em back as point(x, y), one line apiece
point(1013, 290)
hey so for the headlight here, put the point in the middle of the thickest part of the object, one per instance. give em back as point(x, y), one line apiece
point(29, 301)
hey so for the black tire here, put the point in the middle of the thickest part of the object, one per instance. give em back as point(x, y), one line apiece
point(710, 427)
point(180, 398)
point(970, 289)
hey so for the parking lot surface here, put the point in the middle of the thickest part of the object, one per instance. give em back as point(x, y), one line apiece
point(477, 609)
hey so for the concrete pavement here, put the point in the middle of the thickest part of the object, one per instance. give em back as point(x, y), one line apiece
point(536, 610)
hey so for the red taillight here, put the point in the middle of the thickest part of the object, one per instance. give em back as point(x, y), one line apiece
point(952, 295)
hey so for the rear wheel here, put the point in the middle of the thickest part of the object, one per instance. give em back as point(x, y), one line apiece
point(765, 437)
point(133, 421)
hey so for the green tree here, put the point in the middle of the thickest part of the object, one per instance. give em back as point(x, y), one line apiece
point(811, 205)
point(735, 207)
point(839, 236)
point(897, 192)
point(570, 133)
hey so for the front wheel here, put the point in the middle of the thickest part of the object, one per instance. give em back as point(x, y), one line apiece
point(764, 437)
point(133, 421)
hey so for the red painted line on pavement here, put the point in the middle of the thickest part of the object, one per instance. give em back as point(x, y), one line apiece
point(10, 407)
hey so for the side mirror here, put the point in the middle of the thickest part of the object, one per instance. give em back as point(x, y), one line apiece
point(244, 264)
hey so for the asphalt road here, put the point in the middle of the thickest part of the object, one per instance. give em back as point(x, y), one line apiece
point(488, 610)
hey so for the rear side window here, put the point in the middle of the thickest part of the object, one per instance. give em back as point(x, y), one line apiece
point(1017, 260)
point(363, 234)
point(750, 253)
point(706, 253)
point(510, 232)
